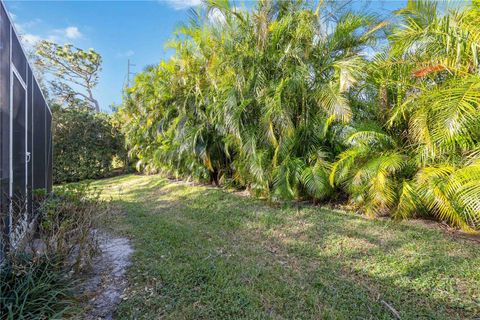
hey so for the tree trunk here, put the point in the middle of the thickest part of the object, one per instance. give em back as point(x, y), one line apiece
point(97, 106)
point(93, 100)
point(214, 177)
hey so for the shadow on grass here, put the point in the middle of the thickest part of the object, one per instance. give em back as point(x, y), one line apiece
point(205, 253)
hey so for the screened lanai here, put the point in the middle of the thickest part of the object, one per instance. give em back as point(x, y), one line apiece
point(25, 136)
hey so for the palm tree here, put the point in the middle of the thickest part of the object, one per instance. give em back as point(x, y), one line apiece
point(283, 80)
point(281, 99)
point(425, 152)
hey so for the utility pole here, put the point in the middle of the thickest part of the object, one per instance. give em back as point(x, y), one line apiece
point(128, 72)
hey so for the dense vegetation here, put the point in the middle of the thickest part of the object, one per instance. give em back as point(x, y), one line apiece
point(85, 144)
point(289, 102)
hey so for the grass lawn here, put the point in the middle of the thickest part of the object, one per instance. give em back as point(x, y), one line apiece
point(203, 253)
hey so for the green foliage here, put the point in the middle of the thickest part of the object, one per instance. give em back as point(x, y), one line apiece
point(424, 159)
point(33, 288)
point(281, 100)
point(243, 101)
point(84, 145)
point(74, 73)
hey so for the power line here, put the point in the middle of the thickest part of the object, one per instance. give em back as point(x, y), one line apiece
point(129, 73)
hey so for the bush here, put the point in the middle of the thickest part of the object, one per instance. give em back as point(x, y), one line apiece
point(68, 220)
point(85, 144)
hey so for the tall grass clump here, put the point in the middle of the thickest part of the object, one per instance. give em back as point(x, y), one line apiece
point(34, 287)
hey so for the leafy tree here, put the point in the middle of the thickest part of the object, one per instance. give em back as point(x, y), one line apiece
point(74, 73)
point(85, 144)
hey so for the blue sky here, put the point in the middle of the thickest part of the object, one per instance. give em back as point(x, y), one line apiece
point(122, 30)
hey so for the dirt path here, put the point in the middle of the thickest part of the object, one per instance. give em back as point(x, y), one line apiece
point(107, 281)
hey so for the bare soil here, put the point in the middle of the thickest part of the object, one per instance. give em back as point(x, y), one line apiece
point(106, 283)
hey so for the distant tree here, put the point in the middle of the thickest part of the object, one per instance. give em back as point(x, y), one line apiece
point(74, 73)
point(86, 144)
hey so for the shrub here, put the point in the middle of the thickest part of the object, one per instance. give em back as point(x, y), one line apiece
point(68, 220)
point(85, 144)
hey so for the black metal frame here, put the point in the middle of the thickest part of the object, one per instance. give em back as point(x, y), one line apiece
point(25, 133)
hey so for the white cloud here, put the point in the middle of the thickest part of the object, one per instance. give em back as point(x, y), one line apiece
point(72, 33)
point(23, 27)
point(30, 39)
point(30, 34)
point(55, 35)
point(181, 4)
point(125, 54)
point(64, 35)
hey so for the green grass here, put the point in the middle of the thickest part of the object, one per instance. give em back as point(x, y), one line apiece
point(203, 253)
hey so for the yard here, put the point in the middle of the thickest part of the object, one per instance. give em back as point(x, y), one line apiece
point(268, 113)
point(204, 253)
